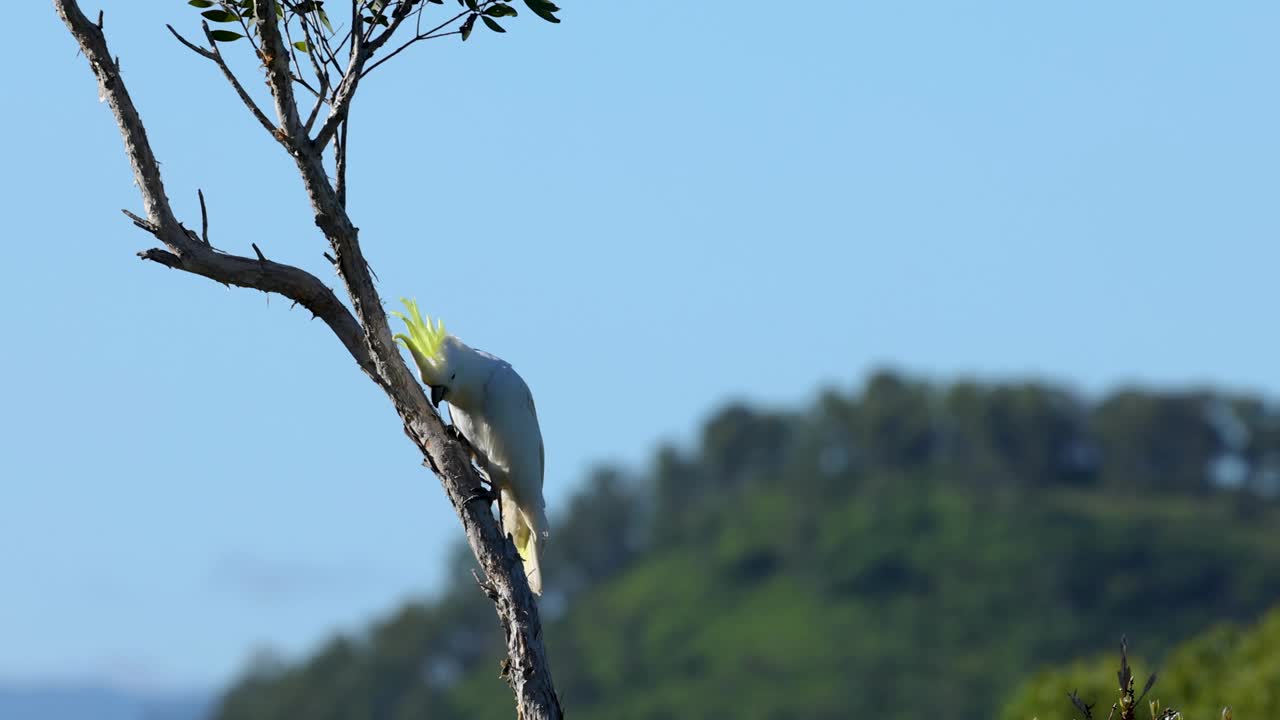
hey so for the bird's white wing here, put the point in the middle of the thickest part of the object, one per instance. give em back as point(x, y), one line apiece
point(476, 430)
point(516, 441)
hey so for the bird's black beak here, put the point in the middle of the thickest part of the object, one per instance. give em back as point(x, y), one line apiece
point(437, 394)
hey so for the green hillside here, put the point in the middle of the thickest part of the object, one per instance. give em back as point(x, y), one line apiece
point(906, 551)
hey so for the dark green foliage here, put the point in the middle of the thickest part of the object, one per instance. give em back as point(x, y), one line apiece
point(220, 16)
point(907, 551)
point(310, 16)
point(1225, 666)
point(1157, 441)
point(544, 9)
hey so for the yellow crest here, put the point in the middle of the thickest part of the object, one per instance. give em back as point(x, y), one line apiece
point(423, 340)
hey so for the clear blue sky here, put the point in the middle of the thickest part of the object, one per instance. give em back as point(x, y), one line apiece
point(648, 209)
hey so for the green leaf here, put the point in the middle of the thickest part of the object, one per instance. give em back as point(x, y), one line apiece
point(325, 19)
point(225, 35)
point(500, 10)
point(544, 9)
point(471, 5)
point(200, 3)
point(493, 25)
point(467, 25)
point(222, 16)
point(301, 45)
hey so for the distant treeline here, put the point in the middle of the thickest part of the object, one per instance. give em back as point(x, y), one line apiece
point(908, 550)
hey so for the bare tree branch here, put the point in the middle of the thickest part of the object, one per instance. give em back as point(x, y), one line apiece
point(375, 43)
point(298, 285)
point(279, 79)
point(367, 335)
point(184, 251)
point(214, 54)
point(340, 163)
point(146, 171)
point(362, 50)
point(343, 96)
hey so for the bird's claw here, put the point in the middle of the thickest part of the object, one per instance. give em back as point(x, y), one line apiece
point(485, 494)
point(462, 439)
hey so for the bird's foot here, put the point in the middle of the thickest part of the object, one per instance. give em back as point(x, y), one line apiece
point(481, 493)
point(462, 440)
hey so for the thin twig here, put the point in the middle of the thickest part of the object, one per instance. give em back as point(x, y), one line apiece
point(293, 54)
point(204, 217)
point(397, 18)
point(343, 96)
point(330, 56)
point(214, 54)
point(141, 222)
point(321, 73)
point(428, 35)
point(248, 33)
point(202, 52)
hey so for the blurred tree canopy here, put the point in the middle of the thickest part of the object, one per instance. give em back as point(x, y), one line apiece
point(1225, 666)
point(907, 550)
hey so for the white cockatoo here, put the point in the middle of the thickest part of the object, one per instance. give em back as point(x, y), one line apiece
point(491, 406)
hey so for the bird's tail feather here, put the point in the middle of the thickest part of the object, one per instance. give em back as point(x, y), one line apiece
point(532, 567)
point(515, 524)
